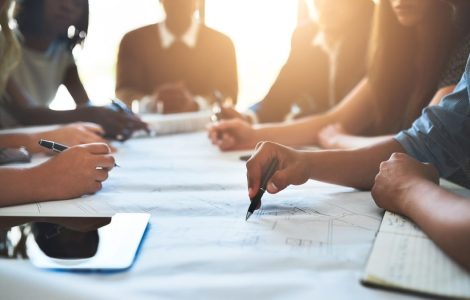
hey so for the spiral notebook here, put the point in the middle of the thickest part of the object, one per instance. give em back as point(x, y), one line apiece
point(404, 258)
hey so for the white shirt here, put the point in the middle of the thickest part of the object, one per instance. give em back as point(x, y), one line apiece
point(189, 38)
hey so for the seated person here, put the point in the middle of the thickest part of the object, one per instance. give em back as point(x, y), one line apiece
point(176, 65)
point(50, 29)
point(325, 63)
point(336, 137)
point(440, 136)
point(403, 76)
point(77, 171)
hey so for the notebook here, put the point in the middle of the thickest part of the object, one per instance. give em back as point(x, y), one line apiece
point(404, 258)
point(177, 123)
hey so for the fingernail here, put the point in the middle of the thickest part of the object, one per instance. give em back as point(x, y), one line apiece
point(273, 188)
point(250, 191)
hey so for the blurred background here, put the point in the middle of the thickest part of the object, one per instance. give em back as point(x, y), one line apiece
point(260, 29)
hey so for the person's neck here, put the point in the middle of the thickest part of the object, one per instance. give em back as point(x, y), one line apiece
point(178, 28)
point(39, 42)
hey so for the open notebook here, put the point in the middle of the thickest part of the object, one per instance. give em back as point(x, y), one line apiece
point(404, 258)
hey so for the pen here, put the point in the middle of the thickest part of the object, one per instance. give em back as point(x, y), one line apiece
point(56, 147)
point(256, 200)
point(121, 106)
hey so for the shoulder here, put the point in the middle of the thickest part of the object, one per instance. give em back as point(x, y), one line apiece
point(214, 36)
point(141, 33)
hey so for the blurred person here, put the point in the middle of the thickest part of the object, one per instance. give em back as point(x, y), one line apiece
point(325, 63)
point(50, 30)
point(77, 171)
point(415, 55)
point(176, 65)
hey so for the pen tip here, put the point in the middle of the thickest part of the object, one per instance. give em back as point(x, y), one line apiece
point(248, 215)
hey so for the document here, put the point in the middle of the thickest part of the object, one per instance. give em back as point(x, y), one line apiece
point(404, 258)
point(161, 124)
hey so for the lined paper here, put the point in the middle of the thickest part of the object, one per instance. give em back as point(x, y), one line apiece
point(403, 257)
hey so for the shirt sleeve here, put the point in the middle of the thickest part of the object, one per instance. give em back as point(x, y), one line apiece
point(441, 135)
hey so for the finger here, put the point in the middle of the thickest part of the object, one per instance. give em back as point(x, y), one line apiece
point(105, 161)
point(95, 186)
point(278, 182)
point(97, 148)
point(95, 128)
point(254, 167)
point(227, 142)
point(101, 175)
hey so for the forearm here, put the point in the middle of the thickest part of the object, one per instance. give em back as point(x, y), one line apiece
point(12, 186)
point(29, 141)
point(355, 168)
point(296, 133)
point(346, 141)
point(443, 216)
point(46, 116)
point(129, 94)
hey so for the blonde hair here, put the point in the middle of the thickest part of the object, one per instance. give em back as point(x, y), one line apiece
point(10, 51)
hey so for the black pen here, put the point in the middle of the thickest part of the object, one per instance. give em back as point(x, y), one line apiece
point(121, 106)
point(256, 200)
point(56, 147)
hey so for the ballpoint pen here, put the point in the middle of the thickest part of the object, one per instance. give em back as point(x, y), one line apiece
point(56, 147)
point(256, 200)
point(122, 107)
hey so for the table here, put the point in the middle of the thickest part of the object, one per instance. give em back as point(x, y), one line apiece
point(308, 242)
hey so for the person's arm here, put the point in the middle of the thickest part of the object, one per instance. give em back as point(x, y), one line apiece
point(408, 187)
point(26, 112)
point(75, 87)
point(75, 172)
point(70, 135)
point(295, 79)
point(335, 137)
point(355, 168)
point(356, 113)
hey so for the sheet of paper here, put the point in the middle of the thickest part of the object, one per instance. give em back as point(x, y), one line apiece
point(404, 257)
point(177, 123)
point(308, 242)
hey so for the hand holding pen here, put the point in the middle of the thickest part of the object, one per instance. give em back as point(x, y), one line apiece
point(57, 147)
point(272, 168)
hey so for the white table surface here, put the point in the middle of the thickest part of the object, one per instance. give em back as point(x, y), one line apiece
point(308, 242)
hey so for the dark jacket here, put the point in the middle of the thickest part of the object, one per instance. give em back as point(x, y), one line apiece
point(143, 64)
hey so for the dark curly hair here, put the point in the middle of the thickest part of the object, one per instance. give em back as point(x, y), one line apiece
point(30, 19)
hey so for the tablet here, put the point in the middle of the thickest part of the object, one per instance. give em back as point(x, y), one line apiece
point(74, 243)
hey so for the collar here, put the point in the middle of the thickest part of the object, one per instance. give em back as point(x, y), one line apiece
point(189, 38)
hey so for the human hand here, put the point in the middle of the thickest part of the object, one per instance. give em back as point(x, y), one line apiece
point(228, 112)
point(77, 171)
point(71, 135)
point(328, 137)
point(232, 134)
point(174, 98)
point(293, 167)
point(116, 124)
point(397, 178)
